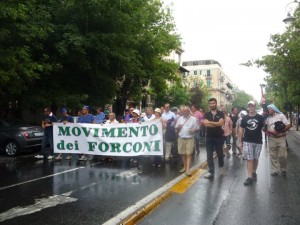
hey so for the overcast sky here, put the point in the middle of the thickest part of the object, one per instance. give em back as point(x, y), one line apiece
point(231, 32)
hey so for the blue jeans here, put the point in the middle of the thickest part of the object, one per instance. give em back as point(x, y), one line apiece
point(47, 139)
point(214, 144)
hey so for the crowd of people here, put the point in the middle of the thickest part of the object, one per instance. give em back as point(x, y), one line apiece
point(186, 127)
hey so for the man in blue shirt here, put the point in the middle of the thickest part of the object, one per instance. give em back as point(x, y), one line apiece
point(47, 124)
point(65, 119)
point(86, 117)
point(100, 117)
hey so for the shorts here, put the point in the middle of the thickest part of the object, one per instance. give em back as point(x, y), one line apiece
point(186, 146)
point(251, 150)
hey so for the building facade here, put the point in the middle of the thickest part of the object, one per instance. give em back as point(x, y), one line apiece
point(212, 74)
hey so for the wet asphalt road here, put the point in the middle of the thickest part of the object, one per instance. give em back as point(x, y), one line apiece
point(46, 192)
point(226, 201)
point(72, 192)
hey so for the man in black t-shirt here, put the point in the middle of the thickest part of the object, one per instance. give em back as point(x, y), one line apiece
point(250, 140)
point(213, 121)
point(234, 118)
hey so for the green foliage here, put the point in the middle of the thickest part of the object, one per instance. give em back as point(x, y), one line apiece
point(67, 53)
point(241, 100)
point(283, 66)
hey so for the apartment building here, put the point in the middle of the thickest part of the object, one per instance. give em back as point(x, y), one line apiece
point(212, 74)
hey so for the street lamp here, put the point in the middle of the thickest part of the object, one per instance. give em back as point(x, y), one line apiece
point(289, 8)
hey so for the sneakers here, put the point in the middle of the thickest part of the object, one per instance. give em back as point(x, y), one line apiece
point(274, 174)
point(248, 181)
point(209, 176)
point(39, 156)
point(83, 158)
point(58, 157)
point(188, 173)
point(254, 176)
point(68, 157)
point(182, 170)
point(51, 157)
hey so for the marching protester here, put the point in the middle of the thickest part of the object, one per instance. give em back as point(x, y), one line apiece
point(65, 119)
point(47, 124)
point(157, 113)
point(213, 121)
point(238, 125)
point(169, 135)
point(250, 140)
point(86, 117)
point(186, 127)
point(196, 113)
point(227, 128)
point(234, 118)
point(277, 125)
point(100, 117)
point(149, 114)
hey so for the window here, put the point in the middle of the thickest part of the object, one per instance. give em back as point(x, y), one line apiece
point(208, 82)
point(200, 72)
point(195, 72)
point(208, 73)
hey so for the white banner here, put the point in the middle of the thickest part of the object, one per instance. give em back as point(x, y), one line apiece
point(121, 139)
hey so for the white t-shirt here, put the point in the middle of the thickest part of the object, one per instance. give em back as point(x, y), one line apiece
point(190, 122)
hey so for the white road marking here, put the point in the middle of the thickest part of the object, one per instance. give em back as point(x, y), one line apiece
point(40, 178)
point(39, 205)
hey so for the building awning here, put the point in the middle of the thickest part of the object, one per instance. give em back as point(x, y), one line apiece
point(183, 70)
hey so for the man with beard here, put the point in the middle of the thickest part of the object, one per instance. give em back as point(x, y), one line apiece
point(213, 121)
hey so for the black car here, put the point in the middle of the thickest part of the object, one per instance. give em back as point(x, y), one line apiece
point(16, 137)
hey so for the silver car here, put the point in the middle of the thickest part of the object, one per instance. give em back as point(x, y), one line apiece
point(16, 137)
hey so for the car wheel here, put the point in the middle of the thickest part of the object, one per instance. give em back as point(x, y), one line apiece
point(11, 148)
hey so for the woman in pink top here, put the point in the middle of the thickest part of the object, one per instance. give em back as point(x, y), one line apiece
point(227, 128)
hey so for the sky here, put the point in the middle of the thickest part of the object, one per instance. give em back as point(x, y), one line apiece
point(230, 32)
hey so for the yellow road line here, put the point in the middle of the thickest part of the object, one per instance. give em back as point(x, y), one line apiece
point(180, 187)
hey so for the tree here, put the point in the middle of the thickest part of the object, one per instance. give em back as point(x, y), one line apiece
point(241, 100)
point(93, 52)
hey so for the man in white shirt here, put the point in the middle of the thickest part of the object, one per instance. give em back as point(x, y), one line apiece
point(186, 127)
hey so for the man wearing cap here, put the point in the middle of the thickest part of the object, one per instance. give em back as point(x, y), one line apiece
point(250, 140)
point(65, 119)
point(86, 117)
point(277, 140)
point(213, 121)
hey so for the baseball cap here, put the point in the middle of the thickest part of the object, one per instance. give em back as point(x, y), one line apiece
point(251, 103)
point(64, 110)
point(136, 111)
point(157, 110)
point(86, 107)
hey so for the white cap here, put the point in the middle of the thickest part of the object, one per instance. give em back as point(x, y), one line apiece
point(157, 110)
point(136, 111)
point(251, 102)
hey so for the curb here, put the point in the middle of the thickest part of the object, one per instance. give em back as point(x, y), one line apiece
point(136, 212)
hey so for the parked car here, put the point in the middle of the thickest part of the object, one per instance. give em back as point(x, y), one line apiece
point(16, 137)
